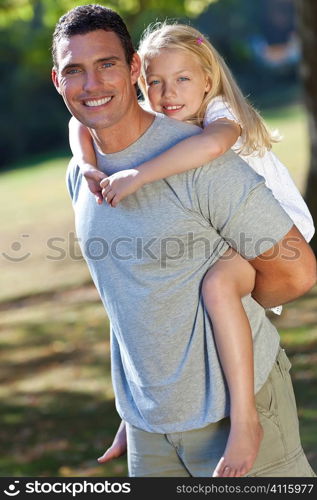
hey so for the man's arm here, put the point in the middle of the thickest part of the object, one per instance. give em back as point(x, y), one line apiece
point(285, 272)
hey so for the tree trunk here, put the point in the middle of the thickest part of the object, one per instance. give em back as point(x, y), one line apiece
point(307, 15)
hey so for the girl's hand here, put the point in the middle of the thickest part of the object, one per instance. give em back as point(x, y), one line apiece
point(93, 178)
point(119, 185)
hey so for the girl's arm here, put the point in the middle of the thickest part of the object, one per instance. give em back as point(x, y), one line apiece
point(80, 142)
point(193, 152)
point(81, 145)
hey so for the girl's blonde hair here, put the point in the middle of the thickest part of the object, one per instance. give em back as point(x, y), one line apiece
point(179, 36)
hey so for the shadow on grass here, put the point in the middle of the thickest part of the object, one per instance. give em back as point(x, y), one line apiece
point(57, 410)
point(42, 349)
point(57, 434)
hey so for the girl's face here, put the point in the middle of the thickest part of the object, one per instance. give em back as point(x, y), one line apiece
point(176, 83)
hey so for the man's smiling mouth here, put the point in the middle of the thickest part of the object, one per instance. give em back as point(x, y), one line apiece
point(97, 102)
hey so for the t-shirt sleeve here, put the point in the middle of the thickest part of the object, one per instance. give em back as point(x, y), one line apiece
point(218, 108)
point(69, 179)
point(72, 179)
point(236, 202)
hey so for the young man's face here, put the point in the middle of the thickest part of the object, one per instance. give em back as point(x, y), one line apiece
point(94, 78)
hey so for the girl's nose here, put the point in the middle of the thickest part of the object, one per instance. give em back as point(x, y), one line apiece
point(169, 90)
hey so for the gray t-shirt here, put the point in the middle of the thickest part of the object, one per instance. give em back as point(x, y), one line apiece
point(148, 257)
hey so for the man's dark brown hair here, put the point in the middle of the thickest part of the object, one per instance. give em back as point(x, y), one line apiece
point(86, 18)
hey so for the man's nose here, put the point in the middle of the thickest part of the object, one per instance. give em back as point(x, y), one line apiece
point(92, 81)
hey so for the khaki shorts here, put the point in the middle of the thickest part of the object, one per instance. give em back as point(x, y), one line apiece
point(197, 452)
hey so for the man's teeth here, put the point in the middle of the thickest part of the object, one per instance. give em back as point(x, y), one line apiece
point(172, 107)
point(98, 102)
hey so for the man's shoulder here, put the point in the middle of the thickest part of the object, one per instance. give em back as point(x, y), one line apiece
point(177, 125)
point(163, 134)
point(230, 164)
point(170, 131)
point(166, 121)
point(226, 175)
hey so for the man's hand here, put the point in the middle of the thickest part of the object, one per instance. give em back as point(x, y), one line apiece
point(118, 447)
point(119, 185)
point(93, 178)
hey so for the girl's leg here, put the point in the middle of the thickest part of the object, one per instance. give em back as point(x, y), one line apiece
point(230, 279)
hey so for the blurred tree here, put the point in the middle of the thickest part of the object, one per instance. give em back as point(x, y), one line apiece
point(252, 30)
point(131, 10)
point(307, 14)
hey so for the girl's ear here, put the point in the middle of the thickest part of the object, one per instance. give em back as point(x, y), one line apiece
point(142, 85)
point(135, 68)
point(208, 84)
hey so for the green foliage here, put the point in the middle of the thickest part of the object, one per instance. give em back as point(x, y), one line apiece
point(30, 117)
point(49, 11)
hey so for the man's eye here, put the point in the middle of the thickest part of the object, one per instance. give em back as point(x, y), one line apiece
point(107, 65)
point(72, 71)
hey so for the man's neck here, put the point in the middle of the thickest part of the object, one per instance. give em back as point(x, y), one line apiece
point(121, 136)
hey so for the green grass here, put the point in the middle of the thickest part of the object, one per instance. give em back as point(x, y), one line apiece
point(36, 208)
point(57, 407)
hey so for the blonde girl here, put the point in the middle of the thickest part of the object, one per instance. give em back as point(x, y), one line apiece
point(185, 78)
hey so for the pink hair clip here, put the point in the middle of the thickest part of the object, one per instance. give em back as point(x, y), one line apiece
point(199, 40)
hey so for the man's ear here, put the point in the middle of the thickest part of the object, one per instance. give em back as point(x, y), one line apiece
point(55, 79)
point(135, 68)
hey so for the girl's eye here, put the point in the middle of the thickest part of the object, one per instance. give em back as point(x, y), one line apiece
point(183, 78)
point(154, 82)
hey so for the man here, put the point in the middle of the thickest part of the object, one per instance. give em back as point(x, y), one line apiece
point(148, 258)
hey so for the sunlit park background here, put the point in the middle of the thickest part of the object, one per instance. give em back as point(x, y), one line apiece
point(57, 406)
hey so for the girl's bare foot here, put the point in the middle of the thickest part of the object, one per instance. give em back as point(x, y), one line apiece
point(241, 450)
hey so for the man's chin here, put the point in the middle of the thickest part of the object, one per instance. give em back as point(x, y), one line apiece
point(94, 124)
